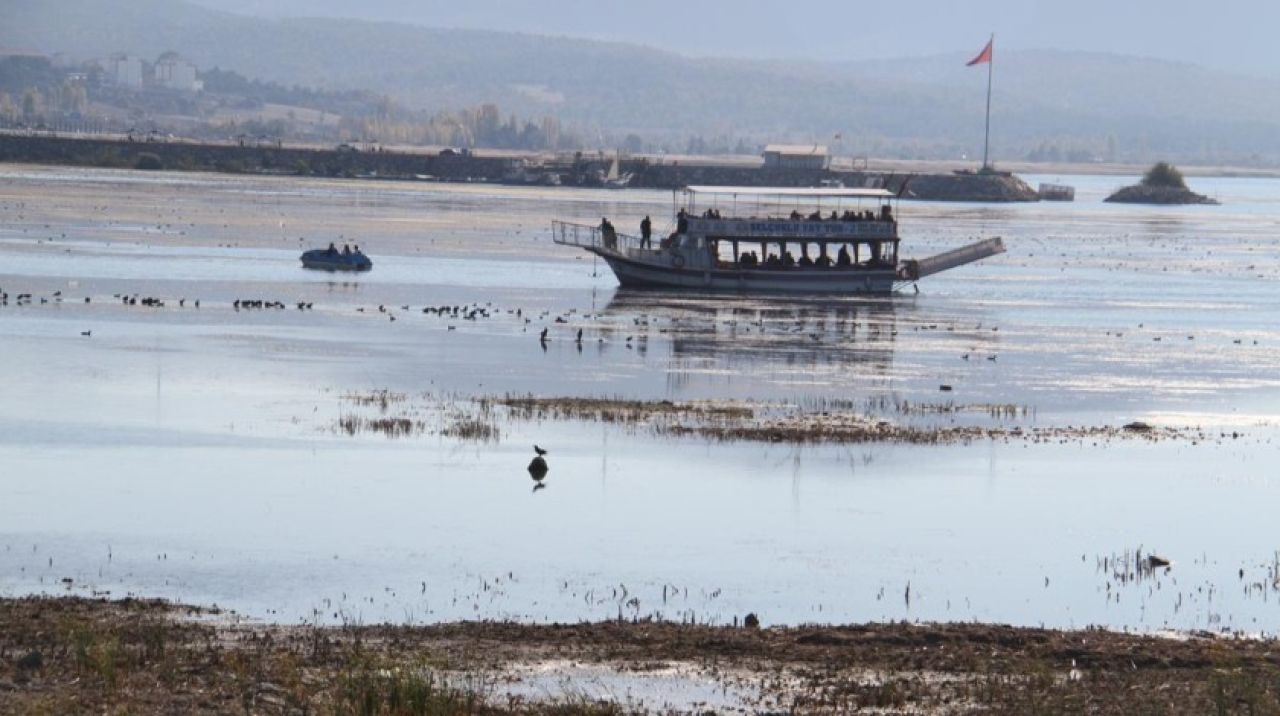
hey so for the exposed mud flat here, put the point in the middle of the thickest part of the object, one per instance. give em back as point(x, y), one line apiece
point(755, 421)
point(75, 655)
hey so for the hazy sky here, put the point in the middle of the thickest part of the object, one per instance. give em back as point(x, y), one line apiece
point(1232, 34)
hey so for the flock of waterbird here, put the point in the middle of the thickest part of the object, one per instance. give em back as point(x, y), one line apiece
point(799, 324)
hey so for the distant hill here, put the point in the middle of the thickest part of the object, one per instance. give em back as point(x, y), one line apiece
point(1054, 103)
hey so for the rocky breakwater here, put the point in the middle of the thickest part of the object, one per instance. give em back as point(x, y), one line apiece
point(969, 186)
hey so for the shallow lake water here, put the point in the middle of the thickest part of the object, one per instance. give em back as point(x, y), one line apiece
point(194, 453)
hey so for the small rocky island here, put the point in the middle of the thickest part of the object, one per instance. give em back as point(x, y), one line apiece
point(1162, 184)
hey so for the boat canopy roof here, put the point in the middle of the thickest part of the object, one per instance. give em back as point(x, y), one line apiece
point(814, 193)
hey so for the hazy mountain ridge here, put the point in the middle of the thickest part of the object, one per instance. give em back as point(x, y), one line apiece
point(928, 106)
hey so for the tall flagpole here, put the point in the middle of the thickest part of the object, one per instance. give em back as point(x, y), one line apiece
point(986, 142)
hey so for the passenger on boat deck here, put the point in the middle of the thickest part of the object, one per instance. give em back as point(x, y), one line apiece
point(815, 216)
point(823, 261)
point(646, 231)
point(346, 249)
point(795, 215)
point(842, 257)
point(886, 213)
point(869, 215)
point(805, 261)
point(848, 216)
point(788, 259)
point(608, 235)
point(332, 249)
point(682, 222)
point(834, 216)
point(357, 249)
point(748, 259)
point(772, 260)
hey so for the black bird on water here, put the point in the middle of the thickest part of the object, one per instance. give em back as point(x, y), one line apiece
point(538, 467)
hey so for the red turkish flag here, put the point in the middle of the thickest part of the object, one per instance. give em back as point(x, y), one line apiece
point(984, 56)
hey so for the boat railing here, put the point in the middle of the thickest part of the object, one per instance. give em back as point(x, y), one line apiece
point(592, 237)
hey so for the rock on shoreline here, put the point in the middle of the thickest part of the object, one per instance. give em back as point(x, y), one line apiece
point(1168, 195)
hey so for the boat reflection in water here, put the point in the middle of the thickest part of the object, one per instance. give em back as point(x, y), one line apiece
point(822, 342)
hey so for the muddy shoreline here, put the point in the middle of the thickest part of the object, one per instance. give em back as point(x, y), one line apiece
point(63, 655)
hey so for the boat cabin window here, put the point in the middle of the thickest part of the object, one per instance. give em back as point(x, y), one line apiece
point(691, 243)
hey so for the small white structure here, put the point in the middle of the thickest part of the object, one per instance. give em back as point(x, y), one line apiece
point(125, 71)
point(173, 72)
point(797, 156)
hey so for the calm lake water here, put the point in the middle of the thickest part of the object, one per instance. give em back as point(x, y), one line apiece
point(193, 453)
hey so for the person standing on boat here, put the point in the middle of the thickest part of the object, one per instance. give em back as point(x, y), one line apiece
point(608, 235)
point(682, 222)
point(646, 230)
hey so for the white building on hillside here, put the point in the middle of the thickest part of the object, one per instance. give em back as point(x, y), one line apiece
point(125, 71)
point(173, 72)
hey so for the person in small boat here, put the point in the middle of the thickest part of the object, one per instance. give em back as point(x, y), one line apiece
point(346, 249)
point(356, 250)
point(842, 256)
point(333, 250)
point(646, 231)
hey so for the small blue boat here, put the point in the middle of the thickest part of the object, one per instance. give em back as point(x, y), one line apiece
point(331, 259)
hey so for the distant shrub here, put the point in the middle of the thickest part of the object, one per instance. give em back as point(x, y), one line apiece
point(104, 158)
point(147, 160)
point(231, 166)
point(1164, 174)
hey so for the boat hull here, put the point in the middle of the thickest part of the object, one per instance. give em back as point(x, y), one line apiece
point(640, 274)
point(322, 260)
